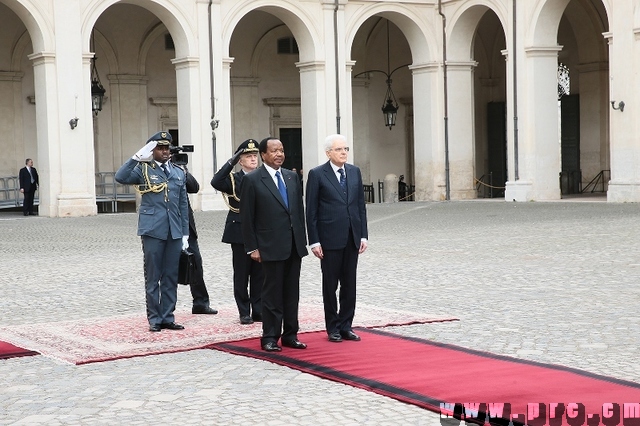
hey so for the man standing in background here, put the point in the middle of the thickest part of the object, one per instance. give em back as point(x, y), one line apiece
point(337, 229)
point(28, 184)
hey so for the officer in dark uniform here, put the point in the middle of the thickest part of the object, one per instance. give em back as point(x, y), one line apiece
point(198, 288)
point(245, 270)
point(163, 224)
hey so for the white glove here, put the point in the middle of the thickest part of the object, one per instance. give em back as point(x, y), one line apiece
point(185, 242)
point(146, 152)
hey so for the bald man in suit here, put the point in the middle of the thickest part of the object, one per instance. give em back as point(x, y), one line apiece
point(337, 228)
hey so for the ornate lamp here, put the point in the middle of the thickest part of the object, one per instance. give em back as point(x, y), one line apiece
point(97, 90)
point(390, 104)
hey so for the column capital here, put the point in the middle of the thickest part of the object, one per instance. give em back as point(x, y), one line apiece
point(542, 51)
point(310, 66)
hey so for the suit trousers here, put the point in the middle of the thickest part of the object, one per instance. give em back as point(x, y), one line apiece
point(198, 288)
point(27, 204)
point(161, 260)
point(339, 266)
point(280, 297)
point(246, 271)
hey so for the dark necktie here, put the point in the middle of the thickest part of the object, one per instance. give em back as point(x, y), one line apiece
point(343, 180)
point(165, 169)
point(282, 189)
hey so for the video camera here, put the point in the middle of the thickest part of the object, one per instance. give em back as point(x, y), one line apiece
point(180, 159)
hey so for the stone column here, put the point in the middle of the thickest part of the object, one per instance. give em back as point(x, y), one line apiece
point(429, 125)
point(313, 101)
point(461, 130)
point(539, 143)
point(624, 49)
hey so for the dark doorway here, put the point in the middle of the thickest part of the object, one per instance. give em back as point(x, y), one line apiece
point(291, 139)
point(174, 136)
point(571, 175)
point(497, 149)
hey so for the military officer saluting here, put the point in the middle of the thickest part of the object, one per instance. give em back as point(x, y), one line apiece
point(163, 224)
point(246, 271)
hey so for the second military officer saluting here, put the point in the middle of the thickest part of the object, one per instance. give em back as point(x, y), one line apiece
point(245, 269)
point(163, 224)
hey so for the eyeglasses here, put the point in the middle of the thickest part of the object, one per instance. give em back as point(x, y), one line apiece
point(345, 149)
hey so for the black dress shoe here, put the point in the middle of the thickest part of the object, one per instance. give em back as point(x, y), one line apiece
point(173, 326)
point(203, 310)
point(256, 317)
point(271, 347)
point(295, 344)
point(155, 327)
point(246, 319)
point(335, 337)
point(350, 335)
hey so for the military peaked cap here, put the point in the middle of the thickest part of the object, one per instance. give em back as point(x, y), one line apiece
point(250, 145)
point(163, 138)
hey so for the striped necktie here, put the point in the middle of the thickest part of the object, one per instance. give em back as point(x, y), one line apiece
point(343, 180)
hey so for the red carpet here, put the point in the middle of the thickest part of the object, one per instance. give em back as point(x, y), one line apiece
point(7, 350)
point(430, 374)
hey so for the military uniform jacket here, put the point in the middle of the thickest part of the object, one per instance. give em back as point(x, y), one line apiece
point(164, 214)
point(222, 182)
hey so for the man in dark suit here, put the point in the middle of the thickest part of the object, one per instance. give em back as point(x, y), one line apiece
point(28, 184)
point(163, 224)
point(246, 271)
point(272, 216)
point(337, 228)
point(198, 288)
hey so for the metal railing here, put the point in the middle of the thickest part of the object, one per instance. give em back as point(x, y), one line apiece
point(110, 193)
point(409, 196)
point(369, 194)
point(10, 195)
point(598, 180)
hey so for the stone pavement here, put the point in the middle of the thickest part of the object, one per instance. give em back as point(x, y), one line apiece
point(550, 282)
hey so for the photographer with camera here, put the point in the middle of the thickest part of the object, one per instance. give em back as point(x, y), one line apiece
point(246, 271)
point(163, 225)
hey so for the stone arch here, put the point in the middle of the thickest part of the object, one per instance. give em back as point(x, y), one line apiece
point(263, 43)
point(543, 30)
point(178, 25)
point(299, 23)
point(464, 24)
point(422, 41)
point(39, 27)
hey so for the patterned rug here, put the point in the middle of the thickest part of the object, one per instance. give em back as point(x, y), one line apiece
point(85, 341)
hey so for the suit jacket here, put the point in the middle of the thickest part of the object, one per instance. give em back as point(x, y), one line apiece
point(331, 213)
point(222, 182)
point(25, 179)
point(193, 187)
point(267, 224)
point(165, 214)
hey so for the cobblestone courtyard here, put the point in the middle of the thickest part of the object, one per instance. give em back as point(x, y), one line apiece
point(550, 282)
